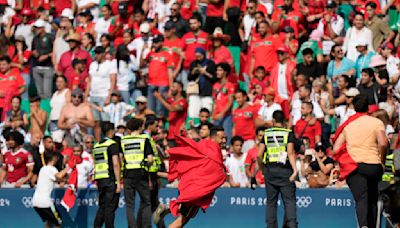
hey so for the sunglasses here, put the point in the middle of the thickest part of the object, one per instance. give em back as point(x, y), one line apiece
point(63, 27)
point(138, 102)
point(172, 9)
point(89, 142)
point(77, 96)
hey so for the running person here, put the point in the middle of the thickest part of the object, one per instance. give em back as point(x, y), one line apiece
point(41, 201)
point(200, 169)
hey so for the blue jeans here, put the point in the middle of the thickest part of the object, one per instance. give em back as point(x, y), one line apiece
point(27, 78)
point(226, 123)
point(153, 103)
point(126, 96)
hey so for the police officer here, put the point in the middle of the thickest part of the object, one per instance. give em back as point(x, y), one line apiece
point(136, 148)
point(276, 157)
point(107, 175)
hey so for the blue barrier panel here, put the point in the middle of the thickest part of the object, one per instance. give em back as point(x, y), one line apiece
point(230, 208)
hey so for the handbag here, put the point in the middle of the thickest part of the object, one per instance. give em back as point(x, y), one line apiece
point(298, 141)
point(193, 87)
point(317, 179)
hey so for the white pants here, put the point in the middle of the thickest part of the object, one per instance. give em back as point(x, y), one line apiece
point(196, 103)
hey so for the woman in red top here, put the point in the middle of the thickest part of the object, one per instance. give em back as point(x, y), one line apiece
point(20, 60)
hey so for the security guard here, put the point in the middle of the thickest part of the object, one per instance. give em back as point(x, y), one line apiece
point(151, 128)
point(388, 174)
point(136, 147)
point(277, 154)
point(107, 175)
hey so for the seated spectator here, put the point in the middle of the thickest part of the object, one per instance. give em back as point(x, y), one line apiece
point(117, 110)
point(243, 118)
point(268, 107)
point(18, 163)
point(235, 164)
point(141, 109)
point(37, 117)
point(304, 96)
point(16, 118)
point(368, 86)
point(202, 72)
point(76, 117)
point(251, 165)
point(309, 67)
point(322, 162)
point(308, 125)
point(364, 58)
point(60, 98)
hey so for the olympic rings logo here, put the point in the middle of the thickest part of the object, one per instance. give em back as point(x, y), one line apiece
point(214, 201)
point(121, 202)
point(27, 201)
point(303, 201)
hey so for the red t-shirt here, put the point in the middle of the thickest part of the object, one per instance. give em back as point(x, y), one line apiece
point(178, 118)
point(215, 10)
point(127, 23)
point(243, 118)
point(10, 84)
point(16, 164)
point(65, 64)
point(292, 19)
point(190, 43)
point(60, 5)
point(221, 94)
point(310, 132)
point(187, 8)
point(263, 83)
point(159, 64)
point(251, 160)
point(27, 55)
point(264, 52)
point(174, 48)
point(78, 80)
point(89, 28)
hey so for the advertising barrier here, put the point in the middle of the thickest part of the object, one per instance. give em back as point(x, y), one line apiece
point(229, 208)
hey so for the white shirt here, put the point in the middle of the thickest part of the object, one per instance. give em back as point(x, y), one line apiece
point(296, 113)
point(352, 37)
point(8, 13)
point(25, 30)
point(163, 11)
point(60, 47)
point(84, 169)
point(94, 10)
point(100, 77)
point(392, 65)
point(344, 113)
point(125, 73)
point(45, 185)
point(237, 170)
point(102, 27)
point(57, 102)
point(248, 22)
point(337, 25)
point(137, 45)
point(265, 112)
point(117, 112)
point(282, 84)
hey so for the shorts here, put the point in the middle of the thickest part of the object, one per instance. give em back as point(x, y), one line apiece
point(49, 214)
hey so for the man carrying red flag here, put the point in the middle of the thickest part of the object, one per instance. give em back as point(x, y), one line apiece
point(200, 170)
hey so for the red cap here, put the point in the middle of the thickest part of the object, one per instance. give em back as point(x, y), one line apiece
point(269, 91)
point(389, 45)
point(372, 108)
point(26, 11)
point(3, 2)
point(283, 48)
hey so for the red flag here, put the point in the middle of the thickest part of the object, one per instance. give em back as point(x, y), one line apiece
point(70, 194)
point(346, 162)
point(200, 170)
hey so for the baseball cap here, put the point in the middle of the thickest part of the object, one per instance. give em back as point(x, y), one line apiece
point(123, 7)
point(331, 4)
point(39, 23)
point(144, 27)
point(352, 92)
point(67, 12)
point(169, 25)
point(142, 99)
point(288, 29)
point(99, 49)
point(158, 38)
point(361, 42)
point(85, 13)
point(26, 11)
point(388, 46)
point(269, 91)
point(283, 48)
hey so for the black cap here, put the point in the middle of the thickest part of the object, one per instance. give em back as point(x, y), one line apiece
point(99, 50)
point(169, 25)
point(158, 38)
point(123, 7)
point(85, 13)
point(288, 29)
point(331, 4)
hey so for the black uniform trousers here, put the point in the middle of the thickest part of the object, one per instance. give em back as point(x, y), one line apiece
point(277, 182)
point(108, 203)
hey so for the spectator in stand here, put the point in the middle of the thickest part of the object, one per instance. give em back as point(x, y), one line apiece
point(173, 45)
point(163, 11)
point(282, 80)
point(249, 22)
point(219, 52)
point(309, 125)
point(60, 98)
point(49, 148)
point(364, 58)
point(344, 82)
point(79, 76)
point(177, 107)
point(309, 67)
point(392, 61)
point(38, 157)
point(287, 15)
point(215, 15)
point(321, 93)
point(24, 28)
point(315, 13)
point(102, 81)
point(192, 40)
point(126, 76)
point(264, 50)
point(75, 52)
point(260, 78)
point(11, 84)
point(268, 107)
point(297, 104)
point(343, 112)
point(161, 74)
point(378, 63)
point(204, 116)
point(37, 117)
point(381, 33)
point(75, 116)
point(121, 22)
point(18, 163)
point(103, 24)
point(251, 165)
point(43, 71)
point(331, 25)
point(141, 108)
point(368, 87)
point(21, 61)
point(223, 94)
point(290, 41)
point(354, 35)
point(337, 66)
point(85, 23)
point(243, 118)
point(235, 164)
point(204, 130)
point(202, 72)
point(105, 41)
point(60, 46)
point(322, 162)
point(178, 21)
point(88, 43)
point(16, 118)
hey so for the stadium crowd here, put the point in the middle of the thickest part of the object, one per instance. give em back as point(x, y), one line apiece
point(184, 66)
